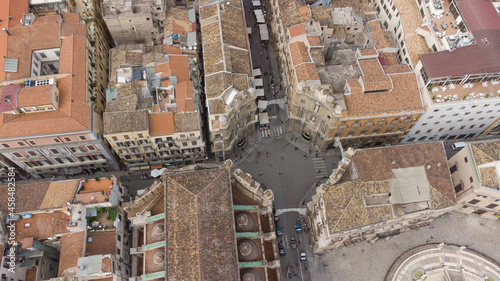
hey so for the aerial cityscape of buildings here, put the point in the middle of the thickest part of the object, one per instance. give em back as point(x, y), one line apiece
point(247, 139)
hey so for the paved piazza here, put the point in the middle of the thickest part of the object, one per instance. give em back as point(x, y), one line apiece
point(363, 261)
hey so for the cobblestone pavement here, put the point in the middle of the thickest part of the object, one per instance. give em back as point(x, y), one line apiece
point(363, 261)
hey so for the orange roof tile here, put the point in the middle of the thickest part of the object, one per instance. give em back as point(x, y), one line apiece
point(73, 112)
point(172, 50)
point(313, 40)
point(306, 72)
point(34, 96)
point(184, 96)
point(374, 78)
point(42, 226)
point(355, 86)
point(299, 54)
point(103, 243)
point(161, 123)
point(71, 251)
point(180, 67)
point(297, 30)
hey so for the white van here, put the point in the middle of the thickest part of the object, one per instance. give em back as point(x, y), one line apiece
point(458, 145)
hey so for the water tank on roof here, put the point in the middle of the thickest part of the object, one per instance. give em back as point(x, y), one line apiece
point(174, 35)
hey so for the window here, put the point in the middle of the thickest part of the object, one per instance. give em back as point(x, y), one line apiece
point(436, 110)
point(82, 137)
point(458, 188)
point(54, 151)
point(471, 179)
point(20, 143)
point(473, 201)
point(479, 112)
point(456, 114)
point(474, 106)
point(56, 140)
point(466, 159)
point(492, 206)
point(32, 142)
point(436, 123)
point(43, 55)
point(424, 124)
point(193, 143)
point(140, 136)
point(472, 126)
point(67, 139)
point(479, 212)
point(17, 154)
point(32, 153)
point(449, 109)
point(184, 144)
point(453, 169)
point(126, 137)
point(428, 131)
point(482, 125)
point(90, 147)
point(115, 138)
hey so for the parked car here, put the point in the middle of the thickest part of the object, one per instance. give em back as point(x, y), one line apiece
point(303, 257)
point(293, 242)
point(276, 218)
point(282, 251)
point(279, 232)
point(298, 227)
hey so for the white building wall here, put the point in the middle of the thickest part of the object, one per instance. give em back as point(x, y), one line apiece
point(453, 119)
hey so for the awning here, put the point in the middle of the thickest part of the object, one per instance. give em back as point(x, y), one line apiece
point(263, 118)
point(259, 92)
point(249, 30)
point(264, 33)
point(256, 3)
point(260, 16)
point(256, 71)
point(157, 172)
point(262, 104)
point(258, 82)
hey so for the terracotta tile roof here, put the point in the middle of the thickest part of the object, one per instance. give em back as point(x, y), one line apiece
point(59, 194)
point(313, 41)
point(24, 202)
point(172, 50)
point(14, 9)
point(42, 226)
point(404, 96)
point(216, 84)
point(179, 66)
point(161, 123)
point(297, 30)
point(485, 152)
point(184, 96)
point(234, 31)
point(294, 12)
point(164, 68)
point(8, 102)
point(306, 72)
point(71, 250)
point(298, 53)
point(177, 22)
point(240, 82)
point(410, 22)
point(73, 112)
point(39, 196)
point(31, 274)
point(344, 202)
point(128, 103)
point(321, 12)
point(377, 164)
point(239, 61)
point(368, 52)
point(103, 243)
point(381, 37)
point(34, 96)
point(212, 48)
point(186, 121)
point(125, 121)
point(355, 86)
point(199, 212)
point(489, 177)
point(399, 68)
point(374, 78)
point(208, 11)
point(216, 106)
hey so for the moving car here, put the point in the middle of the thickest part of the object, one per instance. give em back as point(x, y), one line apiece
point(279, 232)
point(303, 257)
point(293, 242)
point(298, 227)
point(282, 251)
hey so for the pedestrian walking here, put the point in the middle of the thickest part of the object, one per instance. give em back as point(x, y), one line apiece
point(267, 154)
point(319, 171)
point(260, 54)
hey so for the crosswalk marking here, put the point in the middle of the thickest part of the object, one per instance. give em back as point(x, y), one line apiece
point(319, 165)
point(274, 131)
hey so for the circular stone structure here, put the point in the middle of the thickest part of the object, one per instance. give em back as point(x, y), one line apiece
point(248, 250)
point(250, 274)
point(244, 222)
point(157, 232)
point(441, 262)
